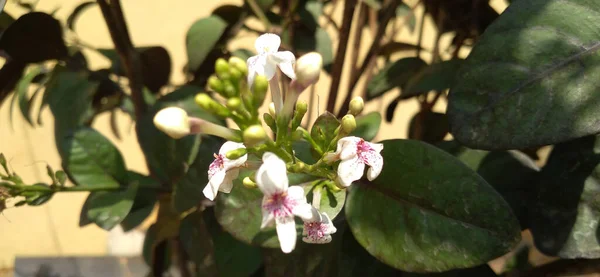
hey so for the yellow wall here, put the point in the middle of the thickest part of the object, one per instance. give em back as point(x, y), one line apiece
point(52, 229)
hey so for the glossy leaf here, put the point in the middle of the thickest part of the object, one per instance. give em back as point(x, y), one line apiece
point(367, 126)
point(92, 160)
point(107, 209)
point(436, 77)
point(34, 37)
point(332, 201)
point(144, 201)
point(564, 217)
point(355, 261)
point(201, 38)
point(198, 243)
point(323, 130)
point(531, 79)
point(394, 75)
point(427, 212)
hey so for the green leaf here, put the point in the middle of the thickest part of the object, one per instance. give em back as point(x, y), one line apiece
point(394, 75)
point(36, 198)
point(107, 209)
point(565, 216)
point(144, 200)
point(437, 77)
point(428, 126)
point(21, 92)
point(428, 212)
point(367, 126)
point(169, 158)
point(243, 53)
point(61, 177)
point(92, 160)
point(323, 130)
point(306, 260)
point(240, 213)
point(151, 243)
point(332, 201)
point(201, 38)
point(478, 271)
point(531, 79)
point(198, 243)
point(355, 261)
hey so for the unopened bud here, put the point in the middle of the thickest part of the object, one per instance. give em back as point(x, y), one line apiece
point(234, 103)
point(173, 121)
point(247, 182)
point(206, 102)
point(255, 134)
point(236, 153)
point(348, 124)
point(301, 108)
point(272, 109)
point(229, 89)
point(259, 89)
point(222, 68)
point(238, 64)
point(270, 121)
point(308, 68)
point(215, 84)
point(235, 74)
point(356, 105)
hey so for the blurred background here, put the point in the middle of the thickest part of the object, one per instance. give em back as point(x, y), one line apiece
point(52, 229)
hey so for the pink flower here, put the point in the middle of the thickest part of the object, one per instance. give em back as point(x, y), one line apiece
point(280, 202)
point(222, 171)
point(355, 153)
point(318, 229)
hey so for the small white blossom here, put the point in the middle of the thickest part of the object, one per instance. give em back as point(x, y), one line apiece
point(173, 121)
point(280, 202)
point(318, 229)
point(355, 153)
point(268, 59)
point(222, 171)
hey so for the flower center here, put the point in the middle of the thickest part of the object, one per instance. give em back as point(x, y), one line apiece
point(216, 165)
point(362, 149)
point(315, 230)
point(280, 205)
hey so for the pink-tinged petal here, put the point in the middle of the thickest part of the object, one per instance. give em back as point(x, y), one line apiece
point(271, 177)
point(267, 43)
point(375, 162)
point(376, 146)
point(285, 60)
point(348, 147)
point(267, 216)
point(286, 232)
point(317, 240)
point(350, 170)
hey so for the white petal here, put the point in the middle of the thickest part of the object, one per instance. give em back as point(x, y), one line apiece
point(286, 232)
point(316, 216)
point(271, 177)
point(256, 65)
point(330, 228)
point(331, 157)
point(269, 70)
point(348, 147)
point(251, 71)
point(303, 211)
point(211, 190)
point(285, 60)
point(267, 43)
point(229, 146)
point(375, 162)
point(376, 146)
point(350, 170)
point(227, 184)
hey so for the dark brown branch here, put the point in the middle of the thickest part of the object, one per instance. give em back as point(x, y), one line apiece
point(390, 11)
point(113, 15)
point(338, 63)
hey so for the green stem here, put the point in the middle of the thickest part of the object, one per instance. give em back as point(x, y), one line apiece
point(259, 12)
point(310, 140)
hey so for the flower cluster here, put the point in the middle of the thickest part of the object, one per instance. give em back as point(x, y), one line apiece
point(342, 158)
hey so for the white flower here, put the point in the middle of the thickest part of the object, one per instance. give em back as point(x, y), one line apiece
point(222, 171)
point(355, 153)
point(280, 202)
point(173, 121)
point(268, 58)
point(318, 229)
point(308, 68)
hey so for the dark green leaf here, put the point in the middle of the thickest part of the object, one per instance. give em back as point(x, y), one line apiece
point(438, 77)
point(305, 152)
point(332, 201)
point(428, 212)
point(61, 177)
point(355, 261)
point(22, 92)
point(38, 198)
point(367, 126)
point(76, 12)
point(430, 127)
point(156, 67)
point(198, 244)
point(478, 271)
point(394, 75)
point(107, 209)
point(34, 37)
point(144, 200)
point(323, 130)
point(83, 217)
point(92, 160)
point(531, 79)
point(566, 214)
point(151, 243)
point(305, 260)
point(201, 38)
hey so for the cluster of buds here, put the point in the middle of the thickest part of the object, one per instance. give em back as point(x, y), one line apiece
point(242, 88)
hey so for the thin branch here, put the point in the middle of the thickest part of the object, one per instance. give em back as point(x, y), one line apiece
point(338, 64)
point(113, 15)
point(390, 11)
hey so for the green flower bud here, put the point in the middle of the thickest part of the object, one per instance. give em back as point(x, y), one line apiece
point(222, 68)
point(206, 102)
point(236, 74)
point(255, 134)
point(356, 105)
point(297, 135)
point(247, 182)
point(301, 108)
point(215, 84)
point(270, 121)
point(229, 89)
point(348, 124)
point(272, 109)
point(234, 103)
point(236, 154)
point(239, 64)
point(259, 89)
